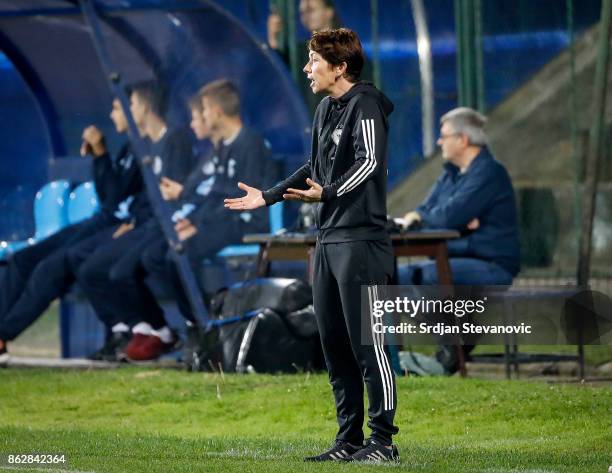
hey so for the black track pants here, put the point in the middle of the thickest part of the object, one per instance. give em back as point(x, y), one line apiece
point(51, 278)
point(211, 238)
point(112, 299)
point(22, 264)
point(340, 271)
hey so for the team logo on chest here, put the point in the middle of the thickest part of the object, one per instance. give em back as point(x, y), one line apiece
point(231, 168)
point(126, 162)
point(209, 168)
point(157, 165)
point(206, 186)
point(336, 134)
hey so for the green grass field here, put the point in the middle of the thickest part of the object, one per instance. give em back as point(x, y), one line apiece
point(139, 420)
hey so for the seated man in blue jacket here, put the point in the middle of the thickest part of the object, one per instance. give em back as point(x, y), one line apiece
point(474, 196)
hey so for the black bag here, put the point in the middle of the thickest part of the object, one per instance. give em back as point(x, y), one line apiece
point(264, 344)
point(267, 326)
point(282, 295)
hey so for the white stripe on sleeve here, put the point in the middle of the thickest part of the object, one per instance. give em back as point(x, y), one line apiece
point(367, 129)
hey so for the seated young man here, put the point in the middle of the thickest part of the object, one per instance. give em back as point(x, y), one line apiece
point(40, 273)
point(172, 157)
point(131, 277)
point(201, 221)
point(473, 195)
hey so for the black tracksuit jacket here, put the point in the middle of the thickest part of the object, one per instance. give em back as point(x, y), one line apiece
point(348, 151)
point(118, 184)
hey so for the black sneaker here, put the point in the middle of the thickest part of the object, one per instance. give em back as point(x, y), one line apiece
point(114, 345)
point(193, 347)
point(375, 452)
point(201, 349)
point(340, 451)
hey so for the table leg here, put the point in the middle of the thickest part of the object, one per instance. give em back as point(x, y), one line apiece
point(310, 265)
point(445, 276)
point(262, 261)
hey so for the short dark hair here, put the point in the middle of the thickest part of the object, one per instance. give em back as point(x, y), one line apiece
point(223, 93)
point(154, 93)
point(338, 46)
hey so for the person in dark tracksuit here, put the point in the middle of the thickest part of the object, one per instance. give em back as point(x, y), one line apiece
point(346, 178)
point(172, 157)
point(201, 220)
point(40, 273)
point(130, 275)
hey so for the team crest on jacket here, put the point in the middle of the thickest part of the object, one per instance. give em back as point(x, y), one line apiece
point(126, 162)
point(231, 168)
point(157, 165)
point(208, 168)
point(337, 134)
point(205, 186)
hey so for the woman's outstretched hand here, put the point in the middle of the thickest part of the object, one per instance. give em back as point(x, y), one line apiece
point(252, 200)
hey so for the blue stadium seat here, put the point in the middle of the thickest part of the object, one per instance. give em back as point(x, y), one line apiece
point(83, 202)
point(50, 208)
point(49, 215)
point(276, 218)
point(276, 224)
point(9, 247)
point(228, 265)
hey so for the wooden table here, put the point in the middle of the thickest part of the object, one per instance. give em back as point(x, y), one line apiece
point(300, 246)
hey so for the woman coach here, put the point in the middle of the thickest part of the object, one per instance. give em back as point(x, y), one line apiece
point(346, 178)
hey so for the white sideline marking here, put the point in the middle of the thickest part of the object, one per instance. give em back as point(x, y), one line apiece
point(30, 362)
point(11, 361)
point(244, 453)
point(517, 470)
point(25, 466)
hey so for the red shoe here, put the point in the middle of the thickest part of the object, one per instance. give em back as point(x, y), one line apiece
point(133, 348)
point(147, 347)
point(4, 356)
